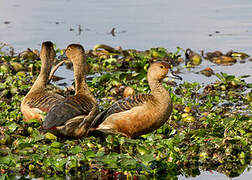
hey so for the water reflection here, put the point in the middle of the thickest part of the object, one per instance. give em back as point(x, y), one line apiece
point(213, 175)
point(189, 174)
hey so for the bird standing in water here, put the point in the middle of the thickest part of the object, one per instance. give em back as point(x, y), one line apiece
point(38, 100)
point(139, 114)
point(73, 116)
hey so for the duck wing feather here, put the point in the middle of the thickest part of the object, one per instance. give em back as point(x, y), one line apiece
point(124, 104)
point(44, 101)
point(69, 108)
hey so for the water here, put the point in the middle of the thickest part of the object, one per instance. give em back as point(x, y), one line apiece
point(147, 24)
point(139, 24)
point(213, 175)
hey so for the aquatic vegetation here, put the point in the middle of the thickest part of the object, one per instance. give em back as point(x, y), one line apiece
point(210, 127)
point(207, 72)
point(230, 58)
point(192, 58)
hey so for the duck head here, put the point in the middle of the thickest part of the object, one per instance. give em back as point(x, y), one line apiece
point(47, 55)
point(158, 70)
point(75, 52)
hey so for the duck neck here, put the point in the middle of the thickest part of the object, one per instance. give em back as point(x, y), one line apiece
point(81, 86)
point(41, 81)
point(158, 90)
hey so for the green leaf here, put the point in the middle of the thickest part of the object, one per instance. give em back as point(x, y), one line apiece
point(228, 120)
point(50, 136)
point(72, 163)
point(128, 163)
point(12, 126)
point(36, 136)
point(89, 154)
point(75, 150)
point(142, 150)
point(146, 158)
point(6, 160)
point(244, 76)
point(59, 163)
point(33, 121)
point(56, 144)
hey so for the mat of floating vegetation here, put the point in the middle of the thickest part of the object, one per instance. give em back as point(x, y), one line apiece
point(210, 127)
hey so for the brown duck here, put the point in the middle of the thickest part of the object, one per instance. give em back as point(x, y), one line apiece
point(142, 113)
point(72, 117)
point(38, 100)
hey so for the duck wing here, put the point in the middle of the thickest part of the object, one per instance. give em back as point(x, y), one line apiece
point(69, 108)
point(124, 104)
point(44, 101)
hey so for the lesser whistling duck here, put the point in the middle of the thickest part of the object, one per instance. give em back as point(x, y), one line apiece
point(141, 113)
point(73, 116)
point(38, 100)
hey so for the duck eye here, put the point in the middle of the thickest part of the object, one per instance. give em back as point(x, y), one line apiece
point(161, 67)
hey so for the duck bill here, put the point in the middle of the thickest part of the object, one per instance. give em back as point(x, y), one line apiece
point(175, 76)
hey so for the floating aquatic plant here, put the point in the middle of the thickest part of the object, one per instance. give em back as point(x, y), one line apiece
point(210, 127)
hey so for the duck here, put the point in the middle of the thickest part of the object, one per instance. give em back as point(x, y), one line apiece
point(38, 100)
point(73, 116)
point(139, 114)
point(192, 58)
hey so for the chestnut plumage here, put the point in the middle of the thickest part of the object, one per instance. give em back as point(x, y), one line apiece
point(139, 114)
point(38, 100)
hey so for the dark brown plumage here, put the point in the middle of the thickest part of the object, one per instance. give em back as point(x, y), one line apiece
point(70, 107)
point(139, 114)
point(74, 114)
point(38, 100)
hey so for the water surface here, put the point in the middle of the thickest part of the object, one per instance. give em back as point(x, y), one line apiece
point(201, 25)
point(139, 24)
